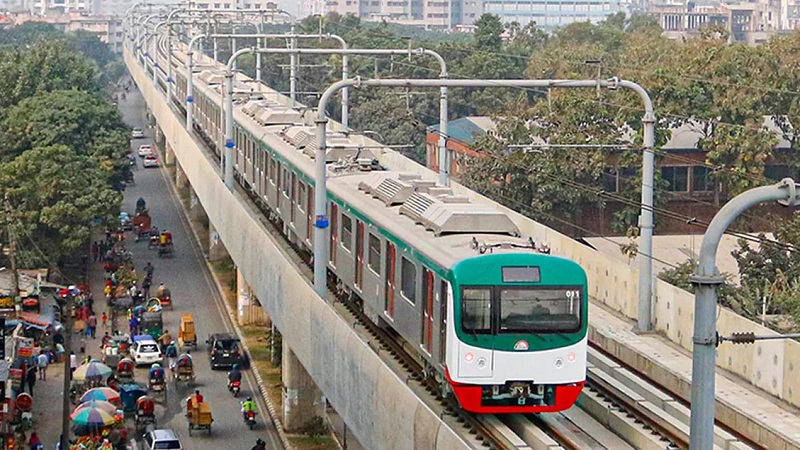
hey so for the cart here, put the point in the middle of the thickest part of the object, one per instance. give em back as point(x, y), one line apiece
point(187, 336)
point(142, 223)
point(152, 324)
point(145, 413)
point(198, 415)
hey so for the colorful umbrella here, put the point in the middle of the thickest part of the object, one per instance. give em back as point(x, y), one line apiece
point(97, 404)
point(92, 417)
point(102, 393)
point(92, 370)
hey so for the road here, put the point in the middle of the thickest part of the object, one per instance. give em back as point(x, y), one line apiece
point(193, 291)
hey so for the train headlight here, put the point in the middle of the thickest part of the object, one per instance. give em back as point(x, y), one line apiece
point(571, 357)
point(559, 363)
point(469, 357)
point(481, 362)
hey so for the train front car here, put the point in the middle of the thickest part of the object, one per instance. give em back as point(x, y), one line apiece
point(517, 343)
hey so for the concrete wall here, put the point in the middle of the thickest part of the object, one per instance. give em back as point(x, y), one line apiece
point(381, 410)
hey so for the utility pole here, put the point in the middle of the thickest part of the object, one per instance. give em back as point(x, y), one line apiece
point(66, 316)
point(12, 249)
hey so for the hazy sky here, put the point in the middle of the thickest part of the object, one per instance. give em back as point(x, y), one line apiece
point(289, 5)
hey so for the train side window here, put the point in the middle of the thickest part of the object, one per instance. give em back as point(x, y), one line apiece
point(374, 260)
point(310, 211)
point(272, 166)
point(443, 287)
point(427, 310)
point(301, 196)
point(347, 232)
point(334, 232)
point(390, 280)
point(408, 280)
point(287, 180)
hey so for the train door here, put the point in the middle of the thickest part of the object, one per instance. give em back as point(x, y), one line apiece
point(359, 254)
point(427, 310)
point(443, 299)
point(293, 197)
point(310, 211)
point(334, 232)
point(390, 277)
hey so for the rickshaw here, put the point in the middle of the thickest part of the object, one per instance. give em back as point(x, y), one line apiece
point(165, 250)
point(151, 324)
point(125, 370)
point(145, 413)
point(128, 394)
point(142, 223)
point(183, 370)
point(166, 298)
point(154, 305)
point(198, 415)
point(158, 386)
point(187, 336)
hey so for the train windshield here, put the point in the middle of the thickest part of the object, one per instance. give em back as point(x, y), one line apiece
point(515, 310)
point(525, 310)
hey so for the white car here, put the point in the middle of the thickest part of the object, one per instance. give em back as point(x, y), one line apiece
point(161, 439)
point(150, 161)
point(137, 133)
point(146, 352)
point(145, 149)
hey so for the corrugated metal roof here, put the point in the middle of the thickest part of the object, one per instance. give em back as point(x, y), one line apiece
point(467, 129)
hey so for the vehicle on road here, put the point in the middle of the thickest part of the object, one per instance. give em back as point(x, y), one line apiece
point(144, 150)
point(137, 133)
point(145, 350)
point(199, 415)
point(162, 440)
point(223, 351)
point(150, 161)
point(125, 221)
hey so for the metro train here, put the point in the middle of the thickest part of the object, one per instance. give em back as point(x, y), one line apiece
point(495, 319)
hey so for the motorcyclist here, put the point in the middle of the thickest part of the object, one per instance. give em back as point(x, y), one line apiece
point(140, 204)
point(156, 372)
point(234, 375)
point(161, 289)
point(248, 406)
point(165, 339)
point(260, 445)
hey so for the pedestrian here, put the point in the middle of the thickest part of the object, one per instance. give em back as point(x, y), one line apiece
point(91, 325)
point(134, 325)
point(41, 362)
point(104, 319)
point(73, 364)
point(108, 235)
point(95, 251)
point(34, 443)
point(31, 379)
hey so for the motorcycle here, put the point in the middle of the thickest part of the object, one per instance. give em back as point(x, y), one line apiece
point(235, 387)
point(250, 419)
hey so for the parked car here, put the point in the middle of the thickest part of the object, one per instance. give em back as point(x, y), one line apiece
point(137, 133)
point(145, 149)
point(224, 351)
point(150, 161)
point(145, 350)
point(161, 439)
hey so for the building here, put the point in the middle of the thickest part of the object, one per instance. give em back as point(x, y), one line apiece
point(690, 190)
point(311, 8)
point(229, 4)
point(107, 28)
point(550, 14)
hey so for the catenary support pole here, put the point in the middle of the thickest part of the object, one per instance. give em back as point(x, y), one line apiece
point(321, 244)
point(293, 71)
point(706, 278)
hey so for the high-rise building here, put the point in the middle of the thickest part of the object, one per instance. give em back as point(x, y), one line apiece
point(311, 8)
point(549, 14)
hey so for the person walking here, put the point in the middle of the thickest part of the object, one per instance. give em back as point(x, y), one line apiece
point(41, 362)
point(95, 251)
point(104, 319)
point(133, 325)
point(31, 379)
point(91, 325)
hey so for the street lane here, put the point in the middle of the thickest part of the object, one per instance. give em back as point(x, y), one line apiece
point(193, 291)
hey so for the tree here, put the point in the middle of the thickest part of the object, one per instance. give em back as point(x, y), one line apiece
point(56, 195)
point(488, 32)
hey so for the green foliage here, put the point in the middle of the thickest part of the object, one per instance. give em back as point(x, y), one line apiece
point(488, 32)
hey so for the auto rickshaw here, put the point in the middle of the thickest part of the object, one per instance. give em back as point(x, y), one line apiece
point(198, 415)
point(128, 394)
point(154, 305)
point(187, 336)
point(145, 413)
point(151, 324)
point(125, 370)
point(183, 370)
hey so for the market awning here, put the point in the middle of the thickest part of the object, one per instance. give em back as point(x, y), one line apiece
point(40, 321)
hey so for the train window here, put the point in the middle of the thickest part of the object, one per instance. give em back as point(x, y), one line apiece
point(443, 288)
point(539, 309)
point(359, 253)
point(427, 310)
point(334, 232)
point(476, 310)
point(374, 260)
point(408, 280)
point(311, 213)
point(286, 182)
point(301, 196)
point(390, 280)
point(272, 169)
point(347, 232)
